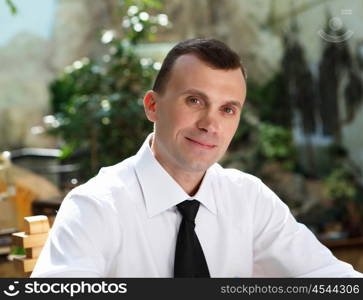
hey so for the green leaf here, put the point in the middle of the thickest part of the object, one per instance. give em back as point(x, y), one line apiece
point(11, 6)
point(16, 250)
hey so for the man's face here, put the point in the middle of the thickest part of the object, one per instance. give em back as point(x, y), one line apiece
point(197, 114)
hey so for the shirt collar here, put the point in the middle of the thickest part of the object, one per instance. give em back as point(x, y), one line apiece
point(160, 190)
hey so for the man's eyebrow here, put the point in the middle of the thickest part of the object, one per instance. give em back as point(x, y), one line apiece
point(235, 103)
point(205, 96)
point(195, 92)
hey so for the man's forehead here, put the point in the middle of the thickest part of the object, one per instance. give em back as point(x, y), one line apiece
point(192, 63)
point(189, 60)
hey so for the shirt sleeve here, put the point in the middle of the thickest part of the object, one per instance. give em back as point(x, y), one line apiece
point(79, 241)
point(285, 248)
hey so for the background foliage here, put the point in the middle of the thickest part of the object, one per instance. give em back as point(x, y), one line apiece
point(97, 103)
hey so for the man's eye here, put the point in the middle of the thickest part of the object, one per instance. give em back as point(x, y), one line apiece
point(193, 100)
point(228, 110)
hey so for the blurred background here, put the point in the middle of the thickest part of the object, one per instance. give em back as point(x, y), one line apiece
point(73, 74)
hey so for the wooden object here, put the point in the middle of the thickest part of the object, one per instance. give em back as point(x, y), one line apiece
point(24, 240)
point(29, 188)
point(33, 252)
point(36, 224)
point(25, 264)
point(33, 239)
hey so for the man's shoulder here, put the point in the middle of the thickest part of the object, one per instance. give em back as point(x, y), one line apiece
point(248, 187)
point(235, 176)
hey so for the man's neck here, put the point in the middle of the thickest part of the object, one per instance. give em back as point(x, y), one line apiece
point(190, 182)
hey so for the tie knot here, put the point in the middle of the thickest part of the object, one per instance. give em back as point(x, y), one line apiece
point(189, 209)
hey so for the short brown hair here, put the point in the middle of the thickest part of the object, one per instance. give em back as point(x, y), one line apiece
point(213, 52)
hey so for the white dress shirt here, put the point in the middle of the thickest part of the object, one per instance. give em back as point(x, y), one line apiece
point(124, 223)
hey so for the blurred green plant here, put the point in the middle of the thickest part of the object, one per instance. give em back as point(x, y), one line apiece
point(271, 101)
point(16, 250)
point(340, 185)
point(141, 20)
point(97, 103)
point(275, 143)
point(11, 6)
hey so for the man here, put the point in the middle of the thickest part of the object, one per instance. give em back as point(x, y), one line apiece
point(171, 210)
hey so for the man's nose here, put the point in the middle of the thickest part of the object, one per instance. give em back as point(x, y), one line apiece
point(208, 122)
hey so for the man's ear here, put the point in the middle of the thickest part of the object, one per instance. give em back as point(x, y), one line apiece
point(150, 105)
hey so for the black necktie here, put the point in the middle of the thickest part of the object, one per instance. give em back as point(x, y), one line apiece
point(189, 256)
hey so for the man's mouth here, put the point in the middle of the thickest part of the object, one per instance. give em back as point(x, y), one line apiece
point(200, 144)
